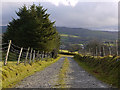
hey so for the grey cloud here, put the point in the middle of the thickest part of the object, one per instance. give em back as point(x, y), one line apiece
point(87, 15)
point(8, 11)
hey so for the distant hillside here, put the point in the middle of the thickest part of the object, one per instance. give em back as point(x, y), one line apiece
point(84, 35)
point(81, 35)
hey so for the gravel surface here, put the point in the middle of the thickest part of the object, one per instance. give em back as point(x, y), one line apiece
point(76, 77)
point(43, 79)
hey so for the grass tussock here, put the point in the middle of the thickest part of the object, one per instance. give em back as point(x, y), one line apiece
point(63, 73)
point(11, 74)
point(106, 68)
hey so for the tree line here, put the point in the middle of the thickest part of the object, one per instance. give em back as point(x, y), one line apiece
point(94, 48)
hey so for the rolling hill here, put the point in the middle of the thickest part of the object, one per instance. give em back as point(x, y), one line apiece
point(81, 35)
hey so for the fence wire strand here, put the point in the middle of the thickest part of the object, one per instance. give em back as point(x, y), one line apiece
point(14, 53)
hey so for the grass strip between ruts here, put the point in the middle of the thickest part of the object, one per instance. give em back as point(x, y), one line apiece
point(63, 73)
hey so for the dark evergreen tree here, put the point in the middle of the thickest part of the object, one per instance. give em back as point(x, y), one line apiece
point(33, 29)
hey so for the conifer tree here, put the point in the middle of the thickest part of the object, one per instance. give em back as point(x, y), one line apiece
point(34, 29)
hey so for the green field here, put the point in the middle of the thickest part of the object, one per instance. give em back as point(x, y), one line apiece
point(66, 35)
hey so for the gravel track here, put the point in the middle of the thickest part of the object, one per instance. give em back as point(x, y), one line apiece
point(76, 77)
point(43, 79)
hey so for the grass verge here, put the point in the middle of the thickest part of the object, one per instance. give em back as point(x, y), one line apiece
point(105, 69)
point(63, 73)
point(12, 74)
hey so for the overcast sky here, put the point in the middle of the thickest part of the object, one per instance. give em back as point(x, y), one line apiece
point(72, 13)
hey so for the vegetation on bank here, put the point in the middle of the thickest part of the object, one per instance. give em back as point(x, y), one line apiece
point(104, 68)
point(62, 74)
point(33, 34)
point(11, 74)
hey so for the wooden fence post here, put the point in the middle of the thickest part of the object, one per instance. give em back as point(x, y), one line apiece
point(110, 49)
point(103, 51)
point(100, 50)
point(19, 56)
point(30, 56)
point(26, 55)
point(89, 51)
point(5, 62)
point(117, 47)
point(42, 55)
point(49, 55)
point(37, 55)
point(34, 56)
point(96, 51)
point(45, 55)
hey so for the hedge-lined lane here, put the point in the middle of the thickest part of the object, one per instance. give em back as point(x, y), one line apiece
point(104, 68)
point(79, 78)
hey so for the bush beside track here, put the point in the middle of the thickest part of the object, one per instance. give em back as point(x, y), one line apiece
point(104, 68)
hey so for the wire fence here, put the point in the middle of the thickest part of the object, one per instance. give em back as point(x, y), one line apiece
point(14, 53)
